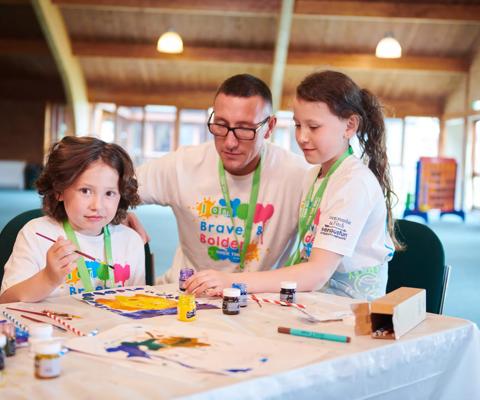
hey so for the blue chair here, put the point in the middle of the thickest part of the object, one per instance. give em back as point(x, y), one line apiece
point(9, 235)
point(421, 264)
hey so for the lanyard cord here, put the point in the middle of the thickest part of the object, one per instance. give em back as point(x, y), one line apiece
point(251, 207)
point(310, 207)
point(104, 270)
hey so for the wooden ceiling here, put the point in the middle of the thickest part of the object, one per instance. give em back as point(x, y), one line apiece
point(115, 43)
point(27, 69)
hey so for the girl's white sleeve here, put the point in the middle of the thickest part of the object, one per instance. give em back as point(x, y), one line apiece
point(28, 258)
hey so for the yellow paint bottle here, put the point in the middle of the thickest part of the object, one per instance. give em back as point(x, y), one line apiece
point(186, 308)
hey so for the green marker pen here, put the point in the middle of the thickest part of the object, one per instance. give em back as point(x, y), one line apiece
point(314, 335)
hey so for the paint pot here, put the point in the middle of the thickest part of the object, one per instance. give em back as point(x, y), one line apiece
point(288, 292)
point(38, 333)
point(47, 359)
point(231, 301)
point(8, 329)
point(243, 293)
point(3, 342)
point(186, 308)
point(185, 273)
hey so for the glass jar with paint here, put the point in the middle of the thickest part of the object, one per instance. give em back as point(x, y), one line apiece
point(231, 301)
point(288, 292)
point(243, 293)
point(185, 273)
point(186, 308)
point(47, 359)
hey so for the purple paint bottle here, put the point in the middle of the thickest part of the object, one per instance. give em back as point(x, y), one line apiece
point(185, 273)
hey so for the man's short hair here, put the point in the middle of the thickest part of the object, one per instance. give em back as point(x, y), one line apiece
point(246, 85)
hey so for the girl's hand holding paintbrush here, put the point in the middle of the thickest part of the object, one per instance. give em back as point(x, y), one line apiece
point(61, 257)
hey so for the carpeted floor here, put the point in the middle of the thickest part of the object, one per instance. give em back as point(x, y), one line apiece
point(461, 242)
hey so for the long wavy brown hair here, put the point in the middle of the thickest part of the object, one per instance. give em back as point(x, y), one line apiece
point(344, 99)
point(69, 158)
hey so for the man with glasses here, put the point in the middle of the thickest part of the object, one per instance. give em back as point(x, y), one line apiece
point(236, 200)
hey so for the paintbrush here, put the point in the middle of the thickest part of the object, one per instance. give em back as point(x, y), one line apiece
point(43, 322)
point(78, 251)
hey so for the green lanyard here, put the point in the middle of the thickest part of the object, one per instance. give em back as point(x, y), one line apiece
point(104, 272)
point(251, 207)
point(310, 207)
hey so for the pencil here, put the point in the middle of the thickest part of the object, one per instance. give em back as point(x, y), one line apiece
point(315, 335)
point(76, 251)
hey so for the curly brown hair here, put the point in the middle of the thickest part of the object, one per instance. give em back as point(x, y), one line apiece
point(344, 98)
point(69, 158)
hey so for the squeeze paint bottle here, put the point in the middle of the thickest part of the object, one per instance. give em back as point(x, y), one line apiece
point(47, 359)
point(186, 308)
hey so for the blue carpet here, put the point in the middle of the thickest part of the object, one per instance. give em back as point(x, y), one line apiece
point(461, 242)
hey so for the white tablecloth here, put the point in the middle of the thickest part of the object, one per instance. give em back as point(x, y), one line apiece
point(439, 359)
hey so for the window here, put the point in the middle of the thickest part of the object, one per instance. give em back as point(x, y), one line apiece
point(193, 127)
point(284, 132)
point(476, 166)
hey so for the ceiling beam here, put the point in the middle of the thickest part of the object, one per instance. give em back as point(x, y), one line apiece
point(360, 9)
point(55, 32)
point(370, 61)
point(203, 99)
point(255, 56)
point(220, 7)
point(390, 9)
point(32, 89)
point(147, 51)
point(23, 46)
point(261, 56)
point(281, 52)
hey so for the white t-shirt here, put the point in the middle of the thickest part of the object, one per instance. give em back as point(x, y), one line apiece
point(30, 253)
point(188, 181)
point(352, 221)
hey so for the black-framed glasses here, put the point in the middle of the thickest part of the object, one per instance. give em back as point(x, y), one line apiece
point(241, 133)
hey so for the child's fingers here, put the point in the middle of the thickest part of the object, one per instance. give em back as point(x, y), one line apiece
point(68, 268)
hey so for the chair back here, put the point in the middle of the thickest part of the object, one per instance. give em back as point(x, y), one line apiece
point(9, 235)
point(420, 265)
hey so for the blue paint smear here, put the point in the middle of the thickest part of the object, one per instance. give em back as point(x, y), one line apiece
point(264, 359)
point(237, 370)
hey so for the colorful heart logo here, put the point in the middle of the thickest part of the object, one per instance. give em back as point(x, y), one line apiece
point(263, 214)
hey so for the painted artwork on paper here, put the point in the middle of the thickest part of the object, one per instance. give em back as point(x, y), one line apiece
point(171, 351)
point(135, 302)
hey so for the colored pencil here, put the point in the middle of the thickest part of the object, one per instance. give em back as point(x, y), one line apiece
point(77, 251)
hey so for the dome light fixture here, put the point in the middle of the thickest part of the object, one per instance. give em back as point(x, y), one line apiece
point(388, 47)
point(170, 42)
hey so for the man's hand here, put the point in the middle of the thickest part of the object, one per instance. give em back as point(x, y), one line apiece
point(133, 222)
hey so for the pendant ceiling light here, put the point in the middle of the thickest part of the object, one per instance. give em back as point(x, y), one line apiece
point(388, 47)
point(170, 42)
